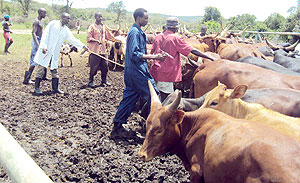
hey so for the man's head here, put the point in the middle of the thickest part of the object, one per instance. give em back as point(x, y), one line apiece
point(6, 17)
point(203, 29)
point(141, 17)
point(65, 18)
point(98, 17)
point(172, 24)
point(42, 13)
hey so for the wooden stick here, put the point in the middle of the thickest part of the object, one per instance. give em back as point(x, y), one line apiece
point(102, 57)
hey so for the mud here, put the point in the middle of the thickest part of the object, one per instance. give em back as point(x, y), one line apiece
point(69, 136)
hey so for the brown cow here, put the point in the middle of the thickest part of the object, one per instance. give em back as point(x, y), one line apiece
point(233, 73)
point(229, 102)
point(231, 51)
point(216, 148)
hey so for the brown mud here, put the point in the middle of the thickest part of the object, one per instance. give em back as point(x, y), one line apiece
point(69, 136)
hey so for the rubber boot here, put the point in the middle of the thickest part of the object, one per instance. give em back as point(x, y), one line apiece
point(55, 86)
point(37, 90)
point(6, 48)
point(28, 75)
point(45, 75)
point(91, 82)
point(105, 83)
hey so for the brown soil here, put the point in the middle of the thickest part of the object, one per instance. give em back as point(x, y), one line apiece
point(69, 136)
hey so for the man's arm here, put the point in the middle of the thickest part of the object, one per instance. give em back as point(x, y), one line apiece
point(201, 54)
point(159, 56)
point(34, 31)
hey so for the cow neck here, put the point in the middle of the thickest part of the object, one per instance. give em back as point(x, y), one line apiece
point(179, 147)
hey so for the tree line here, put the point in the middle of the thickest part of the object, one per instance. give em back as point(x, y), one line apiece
point(24, 11)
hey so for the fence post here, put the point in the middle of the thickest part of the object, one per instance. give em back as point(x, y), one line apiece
point(17, 163)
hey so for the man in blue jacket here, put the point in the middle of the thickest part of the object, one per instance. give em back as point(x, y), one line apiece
point(136, 74)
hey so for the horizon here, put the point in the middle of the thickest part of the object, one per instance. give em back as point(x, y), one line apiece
point(190, 7)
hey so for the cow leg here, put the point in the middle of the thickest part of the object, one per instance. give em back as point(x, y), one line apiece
point(71, 63)
point(61, 60)
point(116, 60)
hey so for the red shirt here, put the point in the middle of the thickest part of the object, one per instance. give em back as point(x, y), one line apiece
point(170, 69)
point(95, 33)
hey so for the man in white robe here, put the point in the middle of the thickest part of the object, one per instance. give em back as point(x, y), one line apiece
point(55, 33)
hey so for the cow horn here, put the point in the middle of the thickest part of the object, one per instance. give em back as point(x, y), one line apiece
point(224, 32)
point(193, 63)
point(271, 45)
point(154, 96)
point(241, 32)
point(174, 105)
point(292, 47)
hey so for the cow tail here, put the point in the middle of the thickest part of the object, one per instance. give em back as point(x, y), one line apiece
point(191, 94)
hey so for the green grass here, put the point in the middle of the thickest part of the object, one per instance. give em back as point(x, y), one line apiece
point(21, 47)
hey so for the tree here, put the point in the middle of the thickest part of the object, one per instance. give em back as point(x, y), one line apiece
point(67, 7)
point(239, 22)
point(25, 6)
point(211, 13)
point(118, 8)
point(275, 22)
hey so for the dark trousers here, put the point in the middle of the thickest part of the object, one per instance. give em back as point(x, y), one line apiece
point(97, 62)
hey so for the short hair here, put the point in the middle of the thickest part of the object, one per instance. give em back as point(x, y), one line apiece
point(139, 13)
point(64, 14)
point(41, 10)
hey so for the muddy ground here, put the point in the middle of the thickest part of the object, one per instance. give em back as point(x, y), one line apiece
point(69, 136)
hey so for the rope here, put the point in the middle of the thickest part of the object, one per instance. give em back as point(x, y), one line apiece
point(103, 58)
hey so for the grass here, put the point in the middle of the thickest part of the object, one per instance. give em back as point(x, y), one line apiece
point(21, 47)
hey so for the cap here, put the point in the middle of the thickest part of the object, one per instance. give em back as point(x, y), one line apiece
point(6, 16)
point(172, 22)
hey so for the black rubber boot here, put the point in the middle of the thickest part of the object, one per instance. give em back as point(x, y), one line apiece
point(91, 82)
point(45, 75)
point(105, 83)
point(37, 90)
point(6, 48)
point(55, 86)
point(28, 75)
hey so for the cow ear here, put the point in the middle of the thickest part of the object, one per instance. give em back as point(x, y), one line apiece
point(239, 91)
point(177, 117)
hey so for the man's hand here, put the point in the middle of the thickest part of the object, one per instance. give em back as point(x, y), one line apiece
point(44, 50)
point(84, 49)
point(160, 57)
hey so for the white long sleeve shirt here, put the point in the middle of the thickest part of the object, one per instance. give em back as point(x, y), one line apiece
point(53, 37)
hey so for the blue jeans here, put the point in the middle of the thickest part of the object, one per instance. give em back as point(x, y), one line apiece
point(33, 51)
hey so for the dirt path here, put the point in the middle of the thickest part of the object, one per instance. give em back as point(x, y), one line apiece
point(70, 136)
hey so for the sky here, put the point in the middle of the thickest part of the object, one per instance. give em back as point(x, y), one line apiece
point(228, 8)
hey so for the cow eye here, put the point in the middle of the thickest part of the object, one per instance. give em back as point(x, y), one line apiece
point(214, 103)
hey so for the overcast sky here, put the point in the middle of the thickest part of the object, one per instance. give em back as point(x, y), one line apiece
point(228, 8)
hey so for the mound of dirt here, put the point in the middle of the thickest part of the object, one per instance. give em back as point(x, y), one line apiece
point(69, 136)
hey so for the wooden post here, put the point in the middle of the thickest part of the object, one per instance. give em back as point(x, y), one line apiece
point(17, 163)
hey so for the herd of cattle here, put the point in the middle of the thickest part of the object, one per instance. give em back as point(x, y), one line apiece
point(240, 123)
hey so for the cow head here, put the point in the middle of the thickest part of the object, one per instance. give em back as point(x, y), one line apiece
point(162, 132)
point(222, 99)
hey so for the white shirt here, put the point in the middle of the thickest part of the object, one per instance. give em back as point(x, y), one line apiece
point(53, 37)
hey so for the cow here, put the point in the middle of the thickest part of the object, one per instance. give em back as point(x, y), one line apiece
point(266, 50)
point(234, 73)
point(287, 62)
point(229, 102)
point(215, 147)
point(267, 65)
point(66, 49)
point(284, 101)
point(230, 51)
